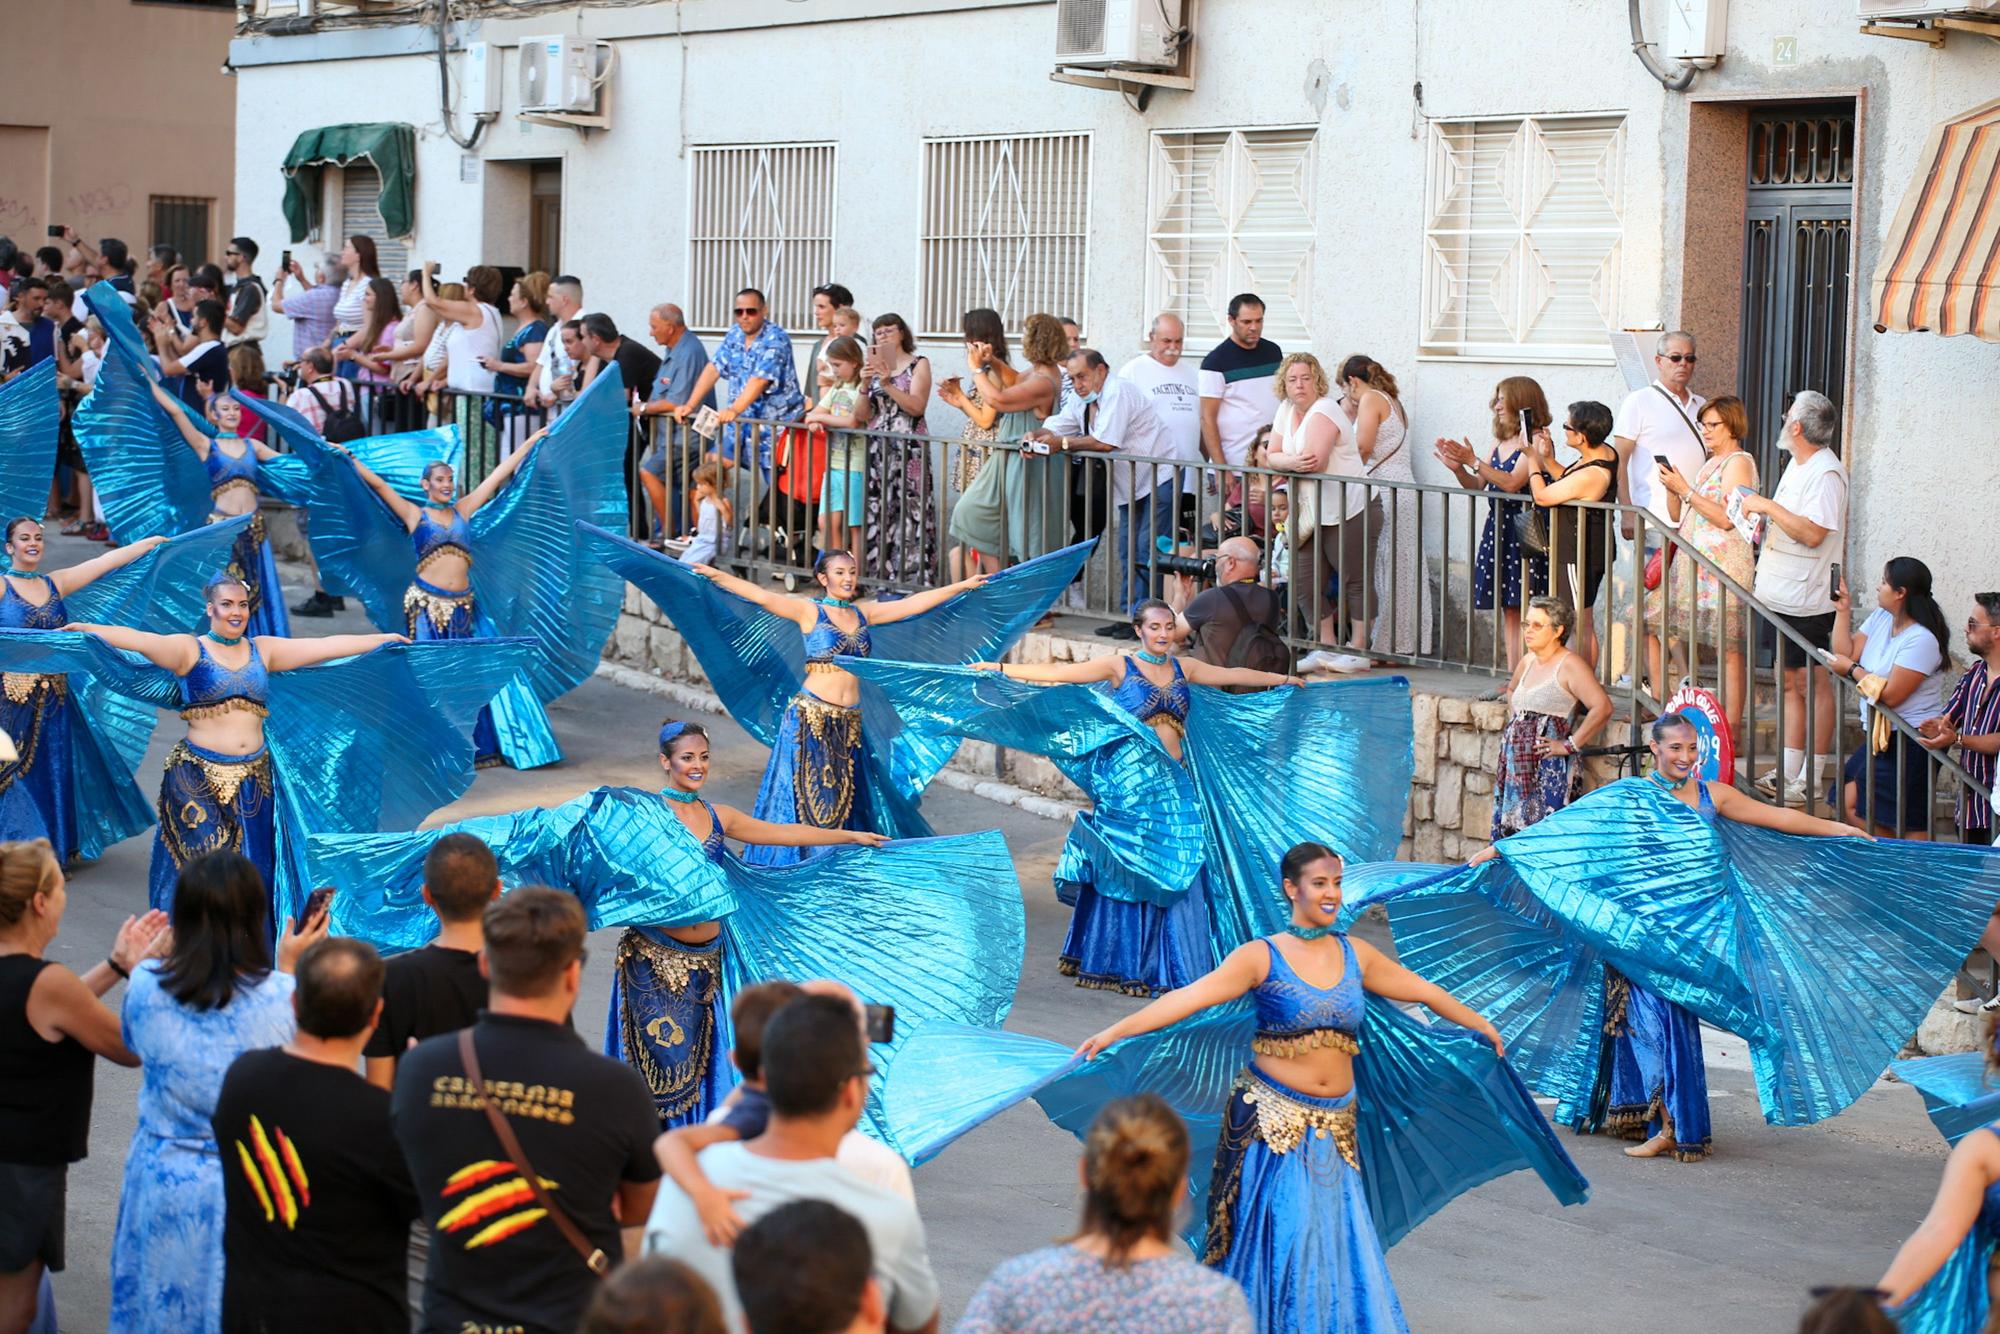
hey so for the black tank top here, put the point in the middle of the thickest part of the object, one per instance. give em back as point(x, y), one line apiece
point(45, 1086)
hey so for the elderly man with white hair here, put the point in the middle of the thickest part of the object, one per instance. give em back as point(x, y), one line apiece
point(1659, 420)
point(682, 360)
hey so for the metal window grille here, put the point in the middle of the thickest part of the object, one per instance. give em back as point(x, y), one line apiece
point(182, 223)
point(1006, 225)
point(361, 215)
point(1524, 219)
point(760, 215)
point(1232, 211)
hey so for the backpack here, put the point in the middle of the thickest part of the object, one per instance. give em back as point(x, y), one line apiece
point(1257, 645)
point(342, 423)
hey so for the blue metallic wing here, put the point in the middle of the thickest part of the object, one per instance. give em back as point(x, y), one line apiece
point(162, 591)
point(379, 740)
point(1143, 836)
point(147, 478)
point(30, 424)
point(1958, 1298)
point(755, 661)
point(1330, 762)
point(533, 576)
point(67, 652)
point(1959, 1096)
point(978, 625)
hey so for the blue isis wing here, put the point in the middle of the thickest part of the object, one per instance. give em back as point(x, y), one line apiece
point(69, 652)
point(109, 734)
point(979, 625)
point(378, 878)
point(1438, 1113)
point(1958, 1298)
point(1143, 836)
point(1844, 944)
point(1331, 763)
point(30, 423)
point(933, 926)
point(147, 478)
point(754, 660)
point(532, 574)
point(162, 591)
point(633, 863)
point(1959, 1096)
point(948, 1079)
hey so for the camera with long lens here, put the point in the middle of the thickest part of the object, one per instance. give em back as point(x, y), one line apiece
point(1194, 567)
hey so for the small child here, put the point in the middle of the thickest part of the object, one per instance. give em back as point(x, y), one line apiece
point(845, 322)
point(843, 410)
point(715, 518)
point(744, 1114)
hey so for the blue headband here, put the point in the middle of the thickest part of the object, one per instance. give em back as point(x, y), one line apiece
point(668, 732)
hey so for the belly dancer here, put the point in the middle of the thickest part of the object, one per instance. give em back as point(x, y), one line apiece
point(232, 466)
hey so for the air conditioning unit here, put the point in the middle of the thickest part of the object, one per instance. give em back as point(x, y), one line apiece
point(559, 74)
point(1928, 9)
point(1115, 34)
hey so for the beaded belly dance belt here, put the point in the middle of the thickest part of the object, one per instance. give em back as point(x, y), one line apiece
point(1283, 1121)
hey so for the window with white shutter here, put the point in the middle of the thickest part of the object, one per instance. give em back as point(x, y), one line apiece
point(361, 215)
point(1521, 241)
point(1006, 225)
point(759, 215)
point(1232, 211)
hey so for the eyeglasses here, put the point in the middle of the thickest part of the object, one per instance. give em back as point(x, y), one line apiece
point(749, 310)
point(1678, 357)
point(1710, 424)
point(1572, 428)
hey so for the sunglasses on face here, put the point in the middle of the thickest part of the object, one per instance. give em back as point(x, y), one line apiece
point(1678, 357)
point(749, 310)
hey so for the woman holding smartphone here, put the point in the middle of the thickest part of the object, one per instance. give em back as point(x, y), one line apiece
point(901, 504)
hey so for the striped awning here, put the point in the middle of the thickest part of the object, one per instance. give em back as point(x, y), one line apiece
point(1940, 267)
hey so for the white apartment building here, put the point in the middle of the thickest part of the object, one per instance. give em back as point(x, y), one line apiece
point(1463, 189)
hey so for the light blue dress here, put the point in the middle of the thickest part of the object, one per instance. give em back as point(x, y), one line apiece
point(166, 1256)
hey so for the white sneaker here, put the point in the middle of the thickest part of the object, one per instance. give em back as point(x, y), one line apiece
point(1767, 783)
point(1348, 662)
point(1797, 794)
point(1319, 660)
point(1972, 1004)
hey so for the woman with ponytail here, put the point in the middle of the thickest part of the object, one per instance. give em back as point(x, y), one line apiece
point(1121, 1273)
point(1897, 660)
point(1381, 429)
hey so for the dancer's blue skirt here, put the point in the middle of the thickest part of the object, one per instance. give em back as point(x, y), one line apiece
point(670, 1021)
point(1288, 1215)
point(514, 728)
point(1140, 949)
point(36, 790)
point(211, 802)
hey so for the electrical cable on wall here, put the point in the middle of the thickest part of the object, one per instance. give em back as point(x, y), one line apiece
point(445, 109)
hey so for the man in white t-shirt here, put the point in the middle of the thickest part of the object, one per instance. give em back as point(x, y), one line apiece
point(565, 304)
point(816, 1072)
point(1659, 421)
point(1807, 522)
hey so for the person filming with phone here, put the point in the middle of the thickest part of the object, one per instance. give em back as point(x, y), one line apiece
point(1798, 577)
point(1656, 419)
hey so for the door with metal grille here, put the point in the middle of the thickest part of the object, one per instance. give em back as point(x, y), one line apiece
point(1798, 235)
point(361, 215)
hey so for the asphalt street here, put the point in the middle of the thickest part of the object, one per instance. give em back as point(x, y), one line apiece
point(1731, 1244)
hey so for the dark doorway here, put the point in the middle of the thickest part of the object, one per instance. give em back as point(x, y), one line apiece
point(545, 217)
point(1797, 243)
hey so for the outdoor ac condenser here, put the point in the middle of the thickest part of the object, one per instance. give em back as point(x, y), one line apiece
point(1105, 34)
point(558, 74)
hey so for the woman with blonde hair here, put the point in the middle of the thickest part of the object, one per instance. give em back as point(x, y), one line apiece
point(1518, 403)
point(1333, 524)
point(1121, 1272)
point(1018, 505)
point(53, 1027)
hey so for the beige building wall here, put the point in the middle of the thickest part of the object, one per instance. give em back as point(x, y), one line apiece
point(118, 103)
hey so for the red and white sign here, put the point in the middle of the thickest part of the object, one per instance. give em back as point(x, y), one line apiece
point(1718, 748)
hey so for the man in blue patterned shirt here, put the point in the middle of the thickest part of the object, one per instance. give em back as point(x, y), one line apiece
point(758, 380)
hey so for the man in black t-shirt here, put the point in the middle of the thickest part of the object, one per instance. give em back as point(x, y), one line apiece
point(439, 988)
point(635, 360)
point(317, 1198)
point(585, 1124)
point(204, 365)
point(1217, 616)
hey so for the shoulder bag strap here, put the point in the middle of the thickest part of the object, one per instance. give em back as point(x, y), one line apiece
point(1681, 412)
point(316, 398)
point(594, 1259)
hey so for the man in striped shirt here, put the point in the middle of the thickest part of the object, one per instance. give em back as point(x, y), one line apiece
point(1971, 721)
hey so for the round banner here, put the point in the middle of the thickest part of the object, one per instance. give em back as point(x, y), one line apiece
point(1718, 748)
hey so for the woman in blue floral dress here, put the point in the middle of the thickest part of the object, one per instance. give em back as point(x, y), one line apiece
point(1496, 576)
point(187, 1017)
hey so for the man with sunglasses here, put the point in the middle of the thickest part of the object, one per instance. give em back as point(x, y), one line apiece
point(758, 380)
point(1659, 419)
point(246, 321)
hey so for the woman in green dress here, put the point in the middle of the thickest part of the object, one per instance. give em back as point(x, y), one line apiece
point(1018, 506)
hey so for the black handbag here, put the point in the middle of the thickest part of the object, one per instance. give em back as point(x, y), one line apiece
point(1531, 528)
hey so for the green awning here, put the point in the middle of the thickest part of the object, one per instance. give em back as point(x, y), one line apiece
point(391, 147)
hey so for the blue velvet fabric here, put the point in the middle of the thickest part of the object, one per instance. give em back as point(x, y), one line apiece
point(1136, 948)
point(194, 820)
point(665, 1021)
point(35, 794)
point(1823, 954)
point(1656, 1075)
point(815, 777)
point(1294, 1228)
point(1958, 1298)
point(514, 727)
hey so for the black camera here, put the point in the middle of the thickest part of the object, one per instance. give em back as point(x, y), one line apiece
point(1194, 567)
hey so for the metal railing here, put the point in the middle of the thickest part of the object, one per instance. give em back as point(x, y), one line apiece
point(1422, 572)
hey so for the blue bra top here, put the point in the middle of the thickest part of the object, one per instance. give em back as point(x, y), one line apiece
point(223, 469)
point(431, 537)
point(826, 639)
point(712, 845)
point(17, 613)
point(210, 688)
point(1146, 701)
point(1707, 807)
point(1293, 1016)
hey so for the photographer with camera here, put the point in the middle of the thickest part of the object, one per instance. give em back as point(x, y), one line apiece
point(1234, 623)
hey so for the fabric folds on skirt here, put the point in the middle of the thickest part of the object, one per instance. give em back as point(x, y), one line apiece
point(1650, 1070)
point(669, 1021)
point(1288, 1214)
point(211, 802)
point(35, 790)
point(815, 776)
point(514, 729)
point(1136, 949)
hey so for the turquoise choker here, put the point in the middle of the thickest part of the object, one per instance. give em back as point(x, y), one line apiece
point(1309, 932)
point(1157, 659)
point(675, 794)
point(841, 603)
point(223, 640)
